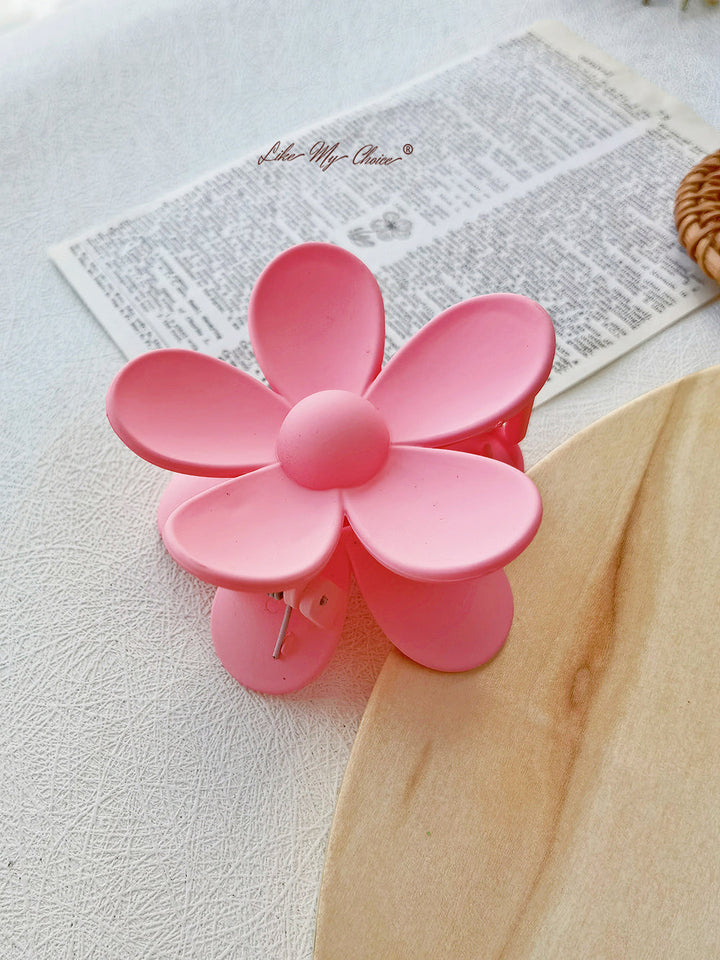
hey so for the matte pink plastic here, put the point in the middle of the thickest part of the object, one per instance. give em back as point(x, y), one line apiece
point(260, 531)
point(445, 626)
point(432, 526)
point(472, 367)
point(317, 322)
point(191, 413)
point(245, 627)
point(181, 488)
point(443, 515)
point(332, 439)
point(494, 445)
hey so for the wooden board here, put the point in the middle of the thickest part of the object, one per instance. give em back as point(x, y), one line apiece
point(562, 801)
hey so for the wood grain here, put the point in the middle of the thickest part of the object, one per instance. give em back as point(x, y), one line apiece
point(563, 801)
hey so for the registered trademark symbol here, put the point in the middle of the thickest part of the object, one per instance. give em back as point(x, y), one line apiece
point(408, 149)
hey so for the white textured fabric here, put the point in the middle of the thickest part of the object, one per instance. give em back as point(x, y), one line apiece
point(151, 807)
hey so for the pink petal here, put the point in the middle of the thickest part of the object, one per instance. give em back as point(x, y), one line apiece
point(444, 515)
point(182, 487)
point(193, 414)
point(474, 366)
point(317, 322)
point(446, 625)
point(260, 531)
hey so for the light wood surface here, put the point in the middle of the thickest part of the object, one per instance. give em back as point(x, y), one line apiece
point(562, 801)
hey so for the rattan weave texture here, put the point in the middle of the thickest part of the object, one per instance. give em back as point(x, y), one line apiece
point(697, 214)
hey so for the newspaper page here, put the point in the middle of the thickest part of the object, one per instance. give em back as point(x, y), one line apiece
point(540, 167)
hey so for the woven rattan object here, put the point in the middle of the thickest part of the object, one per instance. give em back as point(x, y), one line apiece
point(697, 214)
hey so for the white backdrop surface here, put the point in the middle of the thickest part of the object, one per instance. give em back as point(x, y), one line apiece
point(150, 807)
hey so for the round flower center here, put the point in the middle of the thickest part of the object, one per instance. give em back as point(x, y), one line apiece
point(332, 439)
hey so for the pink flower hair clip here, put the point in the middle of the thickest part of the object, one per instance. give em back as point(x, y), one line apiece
point(411, 475)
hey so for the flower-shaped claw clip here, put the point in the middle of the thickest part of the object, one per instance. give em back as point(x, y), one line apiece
point(279, 489)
